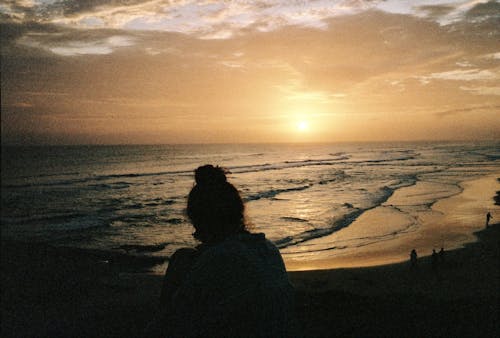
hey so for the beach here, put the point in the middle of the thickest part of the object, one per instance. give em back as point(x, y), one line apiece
point(58, 292)
point(55, 291)
point(447, 223)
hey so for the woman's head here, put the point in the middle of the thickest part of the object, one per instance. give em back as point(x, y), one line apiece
point(214, 205)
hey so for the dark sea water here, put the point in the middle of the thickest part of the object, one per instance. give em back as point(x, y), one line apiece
point(133, 198)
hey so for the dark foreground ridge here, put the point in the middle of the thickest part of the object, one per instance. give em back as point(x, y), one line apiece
point(49, 291)
point(458, 298)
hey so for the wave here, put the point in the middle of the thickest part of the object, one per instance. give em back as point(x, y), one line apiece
point(45, 218)
point(121, 184)
point(159, 201)
point(294, 219)
point(273, 193)
point(492, 157)
point(49, 175)
point(142, 248)
point(396, 159)
point(362, 241)
point(384, 194)
point(112, 186)
point(92, 181)
point(269, 194)
point(97, 178)
point(317, 233)
point(175, 221)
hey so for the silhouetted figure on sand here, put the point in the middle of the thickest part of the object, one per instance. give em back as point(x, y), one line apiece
point(488, 217)
point(441, 255)
point(413, 259)
point(234, 283)
point(434, 260)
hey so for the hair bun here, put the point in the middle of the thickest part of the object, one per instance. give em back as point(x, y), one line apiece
point(208, 175)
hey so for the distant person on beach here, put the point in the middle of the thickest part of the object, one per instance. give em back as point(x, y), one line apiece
point(234, 283)
point(413, 258)
point(488, 217)
point(441, 255)
point(434, 259)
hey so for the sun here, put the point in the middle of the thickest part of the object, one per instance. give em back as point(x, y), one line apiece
point(302, 126)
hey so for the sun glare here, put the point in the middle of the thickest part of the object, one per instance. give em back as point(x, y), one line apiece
point(302, 126)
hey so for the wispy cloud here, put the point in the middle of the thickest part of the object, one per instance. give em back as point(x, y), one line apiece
point(475, 108)
point(482, 90)
point(206, 17)
point(73, 48)
point(460, 75)
point(494, 56)
point(451, 12)
point(22, 105)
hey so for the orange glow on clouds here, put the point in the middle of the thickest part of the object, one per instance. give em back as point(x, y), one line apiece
point(161, 72)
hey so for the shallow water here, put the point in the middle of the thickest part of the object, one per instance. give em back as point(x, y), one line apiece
point(313, 201)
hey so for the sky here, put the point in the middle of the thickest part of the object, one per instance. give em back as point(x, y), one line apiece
point(158, 71)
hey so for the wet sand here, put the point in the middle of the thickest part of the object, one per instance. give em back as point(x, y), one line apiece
point(424, 225)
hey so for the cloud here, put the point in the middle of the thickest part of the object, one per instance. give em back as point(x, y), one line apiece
point(74, 47)
point(435, 12)
point(476, 108)
point(484, 11)
point(494, 56)
point(445, 13)
point(205, 18)
point(460, 75)
point(482, 90)
point(209, 19)
point(22, 105)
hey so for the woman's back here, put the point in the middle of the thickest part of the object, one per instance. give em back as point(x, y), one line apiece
point(238, 287)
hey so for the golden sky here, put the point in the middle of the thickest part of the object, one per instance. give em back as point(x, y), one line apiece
point(130, 71)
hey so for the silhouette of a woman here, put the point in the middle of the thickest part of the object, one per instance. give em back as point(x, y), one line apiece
point(233, 284)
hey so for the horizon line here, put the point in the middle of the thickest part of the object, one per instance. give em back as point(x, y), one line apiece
point(246, 143)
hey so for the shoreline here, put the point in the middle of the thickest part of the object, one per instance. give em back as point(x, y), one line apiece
point(449, 222)
point(399, 278)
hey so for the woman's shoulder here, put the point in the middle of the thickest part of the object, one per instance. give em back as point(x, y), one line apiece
point(234, 249)
point(245, 251)
point(185, 254)
point(240, 243)
point(182, 252)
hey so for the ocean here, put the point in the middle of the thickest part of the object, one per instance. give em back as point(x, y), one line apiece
point(309, 199)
